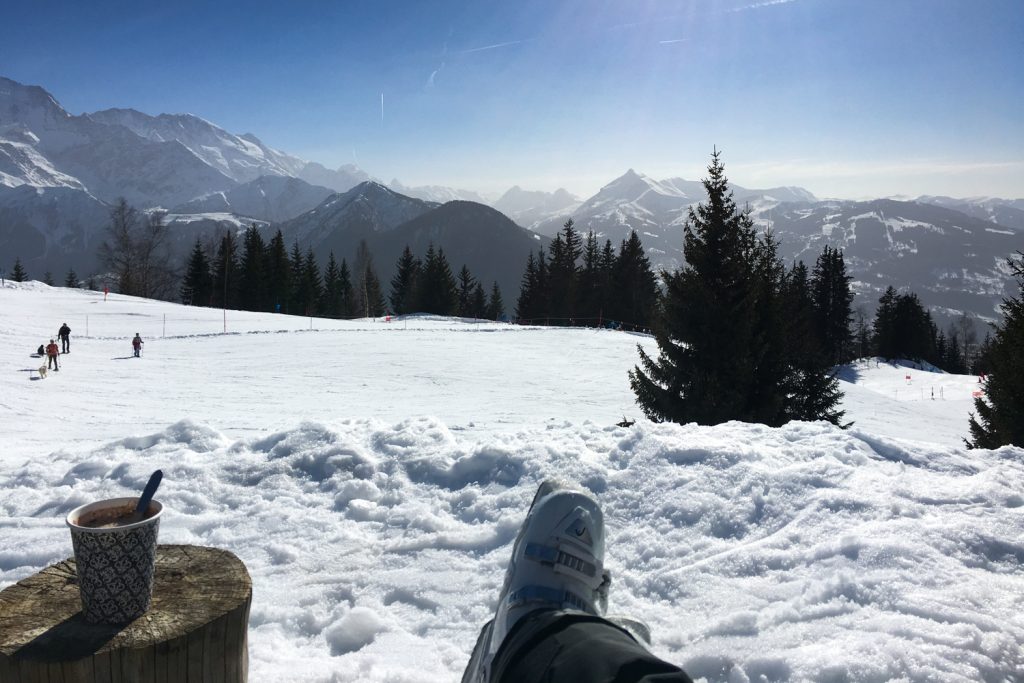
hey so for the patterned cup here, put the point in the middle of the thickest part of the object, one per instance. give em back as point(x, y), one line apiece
point(115, 564)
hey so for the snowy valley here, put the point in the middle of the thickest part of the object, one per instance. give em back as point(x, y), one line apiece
point(372, 475)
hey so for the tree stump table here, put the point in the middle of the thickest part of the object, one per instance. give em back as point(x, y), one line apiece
point(194, 632)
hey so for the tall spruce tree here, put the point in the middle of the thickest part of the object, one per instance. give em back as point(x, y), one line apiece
point(833, 301)
point(721, 338)
point(48, 278)
point(563, 271)
point(18, 273)
point(478, 303)
point(346, 300)
point(311, 288)
point(495, 305)
point(403, 284)
point(197, 287)
point(330, 297)
point(278, 268)
point(636, 287)
point(438, 293)
point(704, 372)
point(528, 305)
point(253, 292)
point(588, 301)
point(465, 283)
point(999, 414)
point(225, 273)
point(812, 386)
point(885, 341)
point(296, 276)
point(71, 279)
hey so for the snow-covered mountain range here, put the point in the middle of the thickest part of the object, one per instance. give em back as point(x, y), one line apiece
point(59, 172)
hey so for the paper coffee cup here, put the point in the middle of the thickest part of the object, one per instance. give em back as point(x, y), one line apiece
point(114, 564)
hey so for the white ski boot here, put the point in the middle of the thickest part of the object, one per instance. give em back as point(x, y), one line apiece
point(557, 563)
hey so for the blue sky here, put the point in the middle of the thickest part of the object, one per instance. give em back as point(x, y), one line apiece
point(848, 98)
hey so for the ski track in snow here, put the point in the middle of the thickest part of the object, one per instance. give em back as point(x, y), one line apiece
point(372, 477)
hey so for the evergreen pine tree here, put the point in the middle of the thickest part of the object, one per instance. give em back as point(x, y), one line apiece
point(721, 353)
point(296, 268)
point(225, 273)
point(563, 273)
point(71, 279)
point(253, 292)
point(369, 299)
point(18, 274)
point(542, 296)
point(495, 305)
point(607, 295)
point(526, 304)
point(588, 300)
point(465, 283)
point(812, 387)
point(330, 299)
point(312, 287)
point(885, 342)
point(197, 288)
point(346, 301)
point(403, 284)
point(703, 373)
point(635, 285)
point(48, 278)
point(374, 295)
point(833, 300)
point(438, 293)
point(478, 303)
point(999, 414)
point(278, 269)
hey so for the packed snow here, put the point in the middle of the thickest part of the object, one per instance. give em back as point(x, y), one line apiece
point(372, 475)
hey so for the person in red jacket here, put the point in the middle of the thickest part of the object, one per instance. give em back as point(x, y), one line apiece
point(137, 344)
point(52, 351)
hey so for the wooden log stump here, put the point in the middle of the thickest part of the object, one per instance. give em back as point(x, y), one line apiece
point(194, 632)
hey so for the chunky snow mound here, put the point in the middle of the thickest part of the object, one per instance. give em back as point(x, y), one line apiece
point(372, 477)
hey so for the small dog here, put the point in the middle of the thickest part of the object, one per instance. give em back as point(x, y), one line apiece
point(42, 371)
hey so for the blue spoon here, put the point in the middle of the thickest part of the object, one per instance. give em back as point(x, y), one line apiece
point(147, 493)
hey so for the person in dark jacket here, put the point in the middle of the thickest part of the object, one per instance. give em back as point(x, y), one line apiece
point(137, 344)
point(52, 351)
point(550, 621)
point(64, 334)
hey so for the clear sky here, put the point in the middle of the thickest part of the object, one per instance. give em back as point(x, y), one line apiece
point(848, 98)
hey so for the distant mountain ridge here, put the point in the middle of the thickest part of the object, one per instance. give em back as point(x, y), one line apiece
point(59, 172)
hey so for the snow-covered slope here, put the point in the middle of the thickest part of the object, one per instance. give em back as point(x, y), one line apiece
point(341, 179)
point(530, 207)
point(270, 198)
point(437, 193)
point(240, 157)
point(372, 475)
point(952, 261)
point(1003, 212)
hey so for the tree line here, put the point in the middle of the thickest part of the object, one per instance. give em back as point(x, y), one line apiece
point(264, 276)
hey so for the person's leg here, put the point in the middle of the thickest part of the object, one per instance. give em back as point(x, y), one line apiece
point(566, 645)
point(549, 625)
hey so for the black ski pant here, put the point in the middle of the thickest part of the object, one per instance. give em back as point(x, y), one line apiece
point(51, 362)
point(557, 645)
point(65, 343)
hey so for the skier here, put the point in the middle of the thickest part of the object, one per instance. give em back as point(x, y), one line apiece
point(52, 351)
point(64, 334)
point(550, 622)
point(137, 344)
